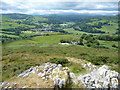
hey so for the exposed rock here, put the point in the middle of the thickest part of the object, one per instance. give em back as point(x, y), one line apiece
point(49, 71)
point(9, 85)
point(41, 74)
point(55, 72)
point(3, 83)
point(29, 71)
point(43, 78)
point(60, 66)
point(103, 77)
point(58, 82)
point(72, 75)
point(89, 66)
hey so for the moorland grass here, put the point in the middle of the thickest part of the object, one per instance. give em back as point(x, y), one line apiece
point(22, 54)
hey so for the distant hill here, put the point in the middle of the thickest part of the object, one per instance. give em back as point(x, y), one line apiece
point(14, 24)
point(17, 16)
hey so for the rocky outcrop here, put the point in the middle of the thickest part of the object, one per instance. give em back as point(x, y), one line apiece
point(29, 71)
point(57, 73)
point(102, 77)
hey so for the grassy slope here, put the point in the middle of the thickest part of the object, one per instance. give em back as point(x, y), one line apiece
point(106, 28)
point(108, 43)
point(109, 29)
point(22, 54)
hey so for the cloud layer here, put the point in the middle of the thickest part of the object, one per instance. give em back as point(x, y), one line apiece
point(41, 7)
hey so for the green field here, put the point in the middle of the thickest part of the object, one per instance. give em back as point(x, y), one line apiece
point(108, 43)
point(39, 40)
point(109, 29)
point(71, 30)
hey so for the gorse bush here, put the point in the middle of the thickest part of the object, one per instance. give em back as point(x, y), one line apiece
point(62, 61)
point(115, 46)
point(99, 60)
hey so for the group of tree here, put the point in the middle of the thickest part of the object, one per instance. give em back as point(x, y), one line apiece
point(88, 28)
point(109, 37)
point(85, 40)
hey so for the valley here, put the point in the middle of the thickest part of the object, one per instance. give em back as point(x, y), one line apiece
point(29, 40)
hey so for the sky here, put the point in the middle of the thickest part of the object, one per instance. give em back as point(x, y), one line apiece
point(41, 7)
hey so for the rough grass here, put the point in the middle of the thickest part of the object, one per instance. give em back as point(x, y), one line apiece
point(21, 55)
point(17, 62)
point(108, 43)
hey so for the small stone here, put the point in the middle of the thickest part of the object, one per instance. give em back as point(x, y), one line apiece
point(75, 81)
point(9, 87)
point(97, 86)
point(72, 75)
point(59, 66)
point(65, 68)
point(41, 74)
point(43, 78)
point(25, 87)
point(47, 77)
point(105, 84)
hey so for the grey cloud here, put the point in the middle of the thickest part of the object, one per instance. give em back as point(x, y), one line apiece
point(25, 6)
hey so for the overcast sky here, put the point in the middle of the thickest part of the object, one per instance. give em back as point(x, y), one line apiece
point(40, 7)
